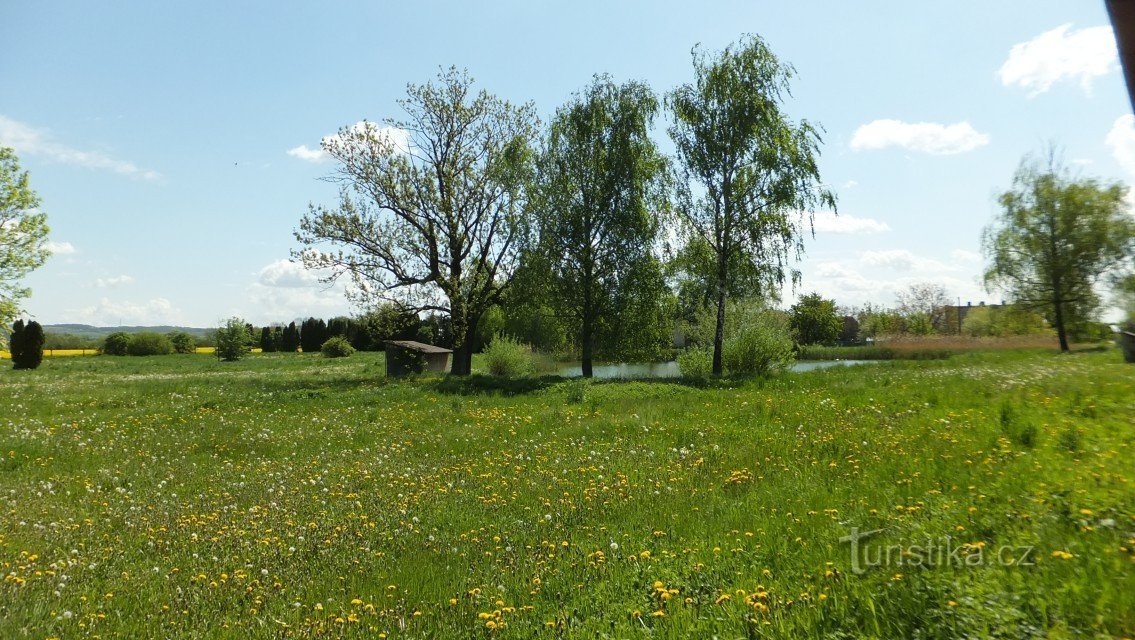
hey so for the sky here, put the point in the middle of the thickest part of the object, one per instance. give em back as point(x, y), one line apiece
point(175, 147)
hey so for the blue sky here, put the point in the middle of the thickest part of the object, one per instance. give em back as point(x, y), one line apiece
point(158, 137)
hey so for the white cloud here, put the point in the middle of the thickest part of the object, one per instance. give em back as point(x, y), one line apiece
point(287, 274)
point(26, 139)
point(1058, 55)
point(901, 260)
point(828, 222)
point(311, 155)
point(850, 184)
point(108, 313)
point(928, 137)
point(1121, 140)
point(285, 290)
point(400, 138)
point(59, 248)
point(962, 255)
point(114, 281)
point(848, 285)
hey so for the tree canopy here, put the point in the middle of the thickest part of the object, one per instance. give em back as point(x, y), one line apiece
point(23, 234)
point(1057, 240)
point(432, 208)
point(750, 178)
point(601, 192)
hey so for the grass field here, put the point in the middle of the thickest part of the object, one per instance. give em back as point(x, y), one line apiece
point(292, 496)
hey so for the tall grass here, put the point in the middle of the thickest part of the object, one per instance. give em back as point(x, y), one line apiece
point(293, 497)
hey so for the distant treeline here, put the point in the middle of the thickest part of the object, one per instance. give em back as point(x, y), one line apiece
point(367, 332)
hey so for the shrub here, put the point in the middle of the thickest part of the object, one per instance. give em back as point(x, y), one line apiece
point(116, 344)
point(760, 342)
point(182, 342)
point(507, 357)
point(336, 347)
point(232, 340)
point(27, 345)
point(695, 363)
point(148, 343)
point(575, 392)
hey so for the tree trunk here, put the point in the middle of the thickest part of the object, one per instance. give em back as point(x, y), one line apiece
point(1058, 320)
point(462, 358)
point(719, 332)
point(588, 349)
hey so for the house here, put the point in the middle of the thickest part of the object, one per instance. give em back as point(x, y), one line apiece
point(407, 356)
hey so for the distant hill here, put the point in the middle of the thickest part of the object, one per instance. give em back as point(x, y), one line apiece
point(98, 333)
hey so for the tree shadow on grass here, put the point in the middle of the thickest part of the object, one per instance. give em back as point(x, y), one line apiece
point(480, 384)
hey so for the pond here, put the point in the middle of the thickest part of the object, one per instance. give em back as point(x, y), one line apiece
point(670, 369)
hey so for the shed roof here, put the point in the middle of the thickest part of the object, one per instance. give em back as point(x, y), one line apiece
point(419, 346)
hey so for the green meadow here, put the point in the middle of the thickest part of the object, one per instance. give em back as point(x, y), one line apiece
point(291, 496)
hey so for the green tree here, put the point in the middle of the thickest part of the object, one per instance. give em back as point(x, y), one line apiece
point(750, 175)
point(232, 340)
point(313, 333)
point(290, 338)
point(924, 306)
point(601, 184)
point(182, 342)
point(814, 320)
point(27, 345)
point(23, 234)
point(435, 223)
point(1055, 240)
point(116, 344)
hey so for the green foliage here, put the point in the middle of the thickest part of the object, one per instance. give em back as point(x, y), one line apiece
point(814, 320)
point(1001, 321)
point(759, 341)
point(23, 234)
point(54, 340)
point(116, 344)
point(601, 186)
point(385, 322)
point(437, 229)
point(336, 347)
point(289, 339)
point(406, 360)
point(1056, 238)
point(26, 345)
point(747, 170)
point(233, 339)
point(507, 357)
point(149, 343)
point(575, 391)
point(924, 307)
point(313, 333)
point(695, 362)
point(490, 324)
point(182, 342)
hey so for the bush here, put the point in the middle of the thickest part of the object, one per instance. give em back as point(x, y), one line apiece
point(182, 342)
point(695, 363)
point(26, 345)
point(232, 340)
point(116, 344)
point(507, 357)
point(336, 347)
point(758, 340)
point(575, 392)
point(148, 343)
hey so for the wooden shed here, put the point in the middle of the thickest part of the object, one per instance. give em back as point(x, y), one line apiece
point(407, 356)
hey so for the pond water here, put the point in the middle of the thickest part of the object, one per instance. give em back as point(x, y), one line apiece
point(670, 369)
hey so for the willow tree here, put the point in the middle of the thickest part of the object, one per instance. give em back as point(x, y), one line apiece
point(601, 188)
point(23, 235)
point(431, 207)
point(751, 180)
point(1057, 240)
